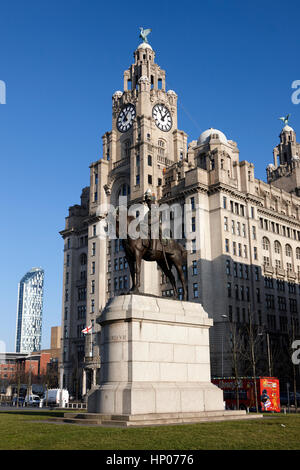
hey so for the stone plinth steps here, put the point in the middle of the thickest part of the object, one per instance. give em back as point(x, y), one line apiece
point(155, 419)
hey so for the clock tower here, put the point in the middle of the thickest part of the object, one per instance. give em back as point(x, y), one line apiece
point(144, 136)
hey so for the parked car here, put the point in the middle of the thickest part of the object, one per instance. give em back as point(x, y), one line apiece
point(284, 399)
point(32, 400)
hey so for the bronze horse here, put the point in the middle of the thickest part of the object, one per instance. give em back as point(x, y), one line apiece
point(136, 250)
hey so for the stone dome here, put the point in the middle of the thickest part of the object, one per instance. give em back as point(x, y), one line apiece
point(145, 45)
point(287, 129)
point(171, 92)
point(205, 136)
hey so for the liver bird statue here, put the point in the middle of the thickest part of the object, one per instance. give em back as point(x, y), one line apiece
point(285, 119)
point(144, 33)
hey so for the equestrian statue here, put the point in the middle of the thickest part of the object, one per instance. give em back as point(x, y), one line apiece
point(166, 252)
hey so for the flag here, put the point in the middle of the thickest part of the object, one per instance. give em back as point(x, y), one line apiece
point(86, 330)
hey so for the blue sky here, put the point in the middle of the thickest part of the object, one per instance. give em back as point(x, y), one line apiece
point(231, 63)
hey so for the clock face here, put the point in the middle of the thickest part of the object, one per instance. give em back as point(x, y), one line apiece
point(126, 118)
point(162, 117)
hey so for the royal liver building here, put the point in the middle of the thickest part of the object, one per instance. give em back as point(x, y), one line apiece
point(243, 262)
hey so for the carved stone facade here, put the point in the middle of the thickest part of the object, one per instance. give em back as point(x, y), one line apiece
point(247, 255)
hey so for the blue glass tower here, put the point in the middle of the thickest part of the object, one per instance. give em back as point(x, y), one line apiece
point(29, 311)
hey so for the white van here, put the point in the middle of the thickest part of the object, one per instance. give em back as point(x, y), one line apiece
point(56, 397)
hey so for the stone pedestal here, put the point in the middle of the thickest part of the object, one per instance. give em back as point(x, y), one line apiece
point(154, 359)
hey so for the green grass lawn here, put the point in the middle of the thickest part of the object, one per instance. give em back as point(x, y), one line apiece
point(27, 431)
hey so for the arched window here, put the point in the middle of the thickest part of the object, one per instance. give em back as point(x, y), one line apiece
point(277, 247)
point(288, 250)
point(265, 243)
point(161, 147)
point(83, 259)
point(298, 253)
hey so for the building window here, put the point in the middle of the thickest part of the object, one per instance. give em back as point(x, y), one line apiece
point(194, 268)
point(193, 224)
point(288, 251)
point(149, 179)
point(93, 267)
point(235, 269)
point(226, 224)
point(195, 290)
point(265, 243)
point(236, 290)
point(93, 249)
point(82, 293)
point(224, 202)
point(232, 227)
point(289, 267)
point(149, 160)
point(240, 249)
point(234, 248)
point(253, 232)
point(254, 252)
point(228, 267)
point(277, 247)
point(278, 263)
point(92, 287)
point(83, 259)
point(192, 200)
point(270, 302)
point(226, 245)
point(228, 289)
point(281, 303)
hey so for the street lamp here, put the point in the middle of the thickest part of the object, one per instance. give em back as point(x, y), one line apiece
point(269, 352)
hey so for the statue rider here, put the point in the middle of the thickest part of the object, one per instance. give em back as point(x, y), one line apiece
point(150, 200)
